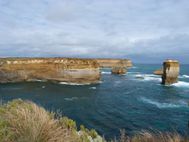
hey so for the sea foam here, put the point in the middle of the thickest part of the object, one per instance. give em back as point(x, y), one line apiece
point(105, 72)
point(93, 88)
point(148, 77)
point(181, 84)
point(184, 76)
point(76, 84)
point(164, 105)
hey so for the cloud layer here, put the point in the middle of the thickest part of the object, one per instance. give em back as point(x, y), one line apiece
point(143, 30)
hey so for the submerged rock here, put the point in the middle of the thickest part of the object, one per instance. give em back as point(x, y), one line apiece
point(171, 70)
point(119, 70)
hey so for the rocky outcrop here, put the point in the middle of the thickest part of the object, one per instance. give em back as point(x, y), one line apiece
point(49, 69)
point(110, 63)
point(170, 72)
point(158, 72)
point(119, 70)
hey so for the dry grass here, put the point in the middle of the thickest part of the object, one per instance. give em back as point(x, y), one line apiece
point(25, 121)
point(152, 137)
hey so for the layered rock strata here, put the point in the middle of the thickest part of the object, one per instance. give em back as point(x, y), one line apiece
point(171, 70)
point(49, 69)
point(110, 63)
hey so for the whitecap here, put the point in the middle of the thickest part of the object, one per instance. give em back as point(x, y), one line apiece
point(184, 76)
point(71, 99)
point(69, 83)
point(164, 105)
point(92, 88)
point(43, 87)
point(148, 77)
point(181, 84)
point(104, 72)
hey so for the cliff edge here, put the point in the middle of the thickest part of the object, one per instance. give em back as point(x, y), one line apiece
point(71, 70)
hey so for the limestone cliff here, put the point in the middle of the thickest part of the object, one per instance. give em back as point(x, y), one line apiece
point(171, 70)
point(49, 69)
point(110, 63)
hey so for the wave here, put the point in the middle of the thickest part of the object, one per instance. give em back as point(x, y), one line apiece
point(184, 76)
point(164, 105)
point(92, 88)
point(71, 99)
point(104, 72)
point(74, 84)
point(181, 84)
point(148, 77)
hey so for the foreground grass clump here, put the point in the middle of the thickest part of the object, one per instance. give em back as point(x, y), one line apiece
point(146, 136)
point(24, 121)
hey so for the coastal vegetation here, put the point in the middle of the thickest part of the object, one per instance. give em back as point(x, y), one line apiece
point(24, 121)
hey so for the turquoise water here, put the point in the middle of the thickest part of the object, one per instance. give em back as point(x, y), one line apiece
point(135, 101)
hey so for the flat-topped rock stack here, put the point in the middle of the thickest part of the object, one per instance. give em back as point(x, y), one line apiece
point(119, 70)
point(70, 70)
point(119, 66)
point(171, 70)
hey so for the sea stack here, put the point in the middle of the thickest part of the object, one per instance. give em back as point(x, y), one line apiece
point(119, 70)
point(171, 70)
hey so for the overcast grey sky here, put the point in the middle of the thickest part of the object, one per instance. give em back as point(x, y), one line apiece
point(143, 30)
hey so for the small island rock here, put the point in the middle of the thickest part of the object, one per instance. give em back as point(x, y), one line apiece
point(119, 70)
point(158, 72)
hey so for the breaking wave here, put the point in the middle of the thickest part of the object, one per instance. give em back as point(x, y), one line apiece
point(181, 84)
point(164, 105)
point(184, 76)
point(76, 84)
point(93, 88)
point(104, 72)
point(148, 77)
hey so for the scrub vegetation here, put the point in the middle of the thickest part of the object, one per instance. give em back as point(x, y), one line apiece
point(24, 121)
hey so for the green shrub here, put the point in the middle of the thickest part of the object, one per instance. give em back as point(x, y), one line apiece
point(69, 123)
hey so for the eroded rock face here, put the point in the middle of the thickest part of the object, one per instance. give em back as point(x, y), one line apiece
point(158, 72)
point(119, 70)
point(110, 63)
point(49, 69)
point(171, 70)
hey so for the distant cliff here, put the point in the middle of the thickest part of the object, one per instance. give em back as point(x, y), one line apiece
point(110, 63)
point(71, 70)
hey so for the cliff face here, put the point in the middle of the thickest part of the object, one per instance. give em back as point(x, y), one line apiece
point(171, 70)
point(49, 69)
point(110, 63)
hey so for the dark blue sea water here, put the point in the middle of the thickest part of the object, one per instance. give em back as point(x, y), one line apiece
point(135, 101)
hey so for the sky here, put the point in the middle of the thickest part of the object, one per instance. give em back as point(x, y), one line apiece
point(145, 31)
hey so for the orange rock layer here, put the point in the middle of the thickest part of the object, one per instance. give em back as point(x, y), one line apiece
point(49, 69)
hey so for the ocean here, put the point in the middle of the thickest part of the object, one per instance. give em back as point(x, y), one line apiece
point(134, 102)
